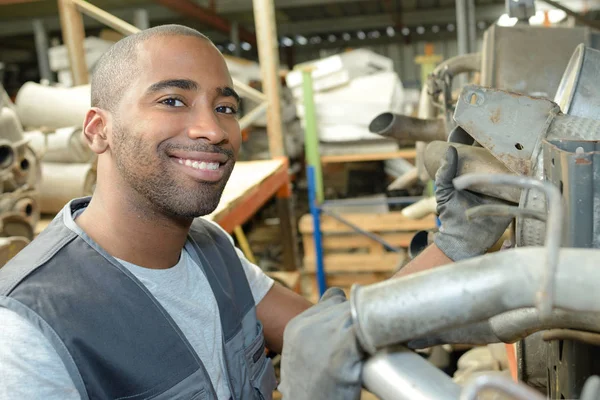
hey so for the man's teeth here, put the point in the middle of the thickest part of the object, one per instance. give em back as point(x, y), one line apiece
point(200, 165)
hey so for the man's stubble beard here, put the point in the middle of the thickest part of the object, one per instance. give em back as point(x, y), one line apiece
point(159, 188)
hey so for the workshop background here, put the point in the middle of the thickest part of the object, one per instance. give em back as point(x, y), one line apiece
point(347, 109)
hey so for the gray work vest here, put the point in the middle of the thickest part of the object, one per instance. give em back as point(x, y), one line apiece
point(115, 339)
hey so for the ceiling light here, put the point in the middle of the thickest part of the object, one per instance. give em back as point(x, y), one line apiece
point(287, 42)
point(435, 29)
point(231, 47)
point(374, 35)
point(450, 27)
point(390, 31)
point(405, 31)
point(331, 38)
point(301, 40)
point(246, 46)
point(420, 30)
point(361, 35)
point(346, 36)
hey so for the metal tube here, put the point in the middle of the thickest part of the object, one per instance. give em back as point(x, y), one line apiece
point(316, 217)
point(462, 31)
point(358, 229)
point(429, 302)
point(41, 47)
point(472, 34)
point(554, 225)
point(141, 19)
point(404, 128)
point(510, 327)
point(400, 374)
point(234, 36)
point(499, 384)
point(504, 211)
point(311, 135)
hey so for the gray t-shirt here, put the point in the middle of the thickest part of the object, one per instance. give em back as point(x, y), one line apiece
point(31, 369)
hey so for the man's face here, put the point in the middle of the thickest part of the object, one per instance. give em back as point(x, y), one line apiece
point(175, 133)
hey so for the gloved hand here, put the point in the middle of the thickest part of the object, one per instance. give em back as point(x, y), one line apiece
point(321, 358)
point(459, 238)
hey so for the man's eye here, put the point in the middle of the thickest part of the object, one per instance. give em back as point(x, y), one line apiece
point(226, 110)
point(173, 102)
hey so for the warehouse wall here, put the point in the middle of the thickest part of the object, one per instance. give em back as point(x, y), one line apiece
point(402, 54)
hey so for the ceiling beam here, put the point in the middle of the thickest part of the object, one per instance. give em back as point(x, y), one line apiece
point(408, 18)
point(207, 17)
point(234, 6)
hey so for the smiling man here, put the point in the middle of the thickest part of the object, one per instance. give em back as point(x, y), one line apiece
point(127, 294)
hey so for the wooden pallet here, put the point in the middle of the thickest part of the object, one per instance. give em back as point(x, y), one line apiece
point(350, 257)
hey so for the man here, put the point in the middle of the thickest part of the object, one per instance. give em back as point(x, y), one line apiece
point(123, 295)
point(128, 295)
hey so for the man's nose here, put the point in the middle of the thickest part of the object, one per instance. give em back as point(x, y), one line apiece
point(205, 125)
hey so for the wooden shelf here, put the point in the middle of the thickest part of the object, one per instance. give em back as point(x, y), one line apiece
point(408, 154)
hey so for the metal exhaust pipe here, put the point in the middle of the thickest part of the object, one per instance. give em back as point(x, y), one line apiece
point(408, 129)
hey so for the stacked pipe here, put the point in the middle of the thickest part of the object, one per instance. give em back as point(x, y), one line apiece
point(19, 181)
point(53, 117)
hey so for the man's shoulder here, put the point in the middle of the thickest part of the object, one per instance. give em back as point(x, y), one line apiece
point(41, 250)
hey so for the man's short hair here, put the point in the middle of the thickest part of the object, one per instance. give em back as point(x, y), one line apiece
point(117, 67)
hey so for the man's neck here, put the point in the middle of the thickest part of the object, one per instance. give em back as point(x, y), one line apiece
point(133, 232)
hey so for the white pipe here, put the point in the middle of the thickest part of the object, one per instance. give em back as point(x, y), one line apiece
point(421, 208)
point(10, 126)
point(65, 145)
point(64, 182)
point(52, 107)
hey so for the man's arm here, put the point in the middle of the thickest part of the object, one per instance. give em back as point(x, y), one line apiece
point(429, 258)
point(30, 368)
point(275, 310)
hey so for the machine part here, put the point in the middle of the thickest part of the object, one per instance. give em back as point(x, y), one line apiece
point(578, 94)
point(10, 125)
point(26, 170)
point(10, 246)
point(63, 182)
point(400, 310)
point(7, 155)
point(418, 243)
point(528, 59)
point(65, 145)
point(499, 384)
point(15, 224)
point(404, 128)
point(459, 135)
point(52, 107)
point(421, 208)
point(24, 202)
point(554, 225)
point(511, 126)
point(504, 211)
point(431, 90)
point(405, 181)
point(510, 327)
point(520, 9)
point(471, 159)
point(573, 166)
point(591, 338)
point(400, 374)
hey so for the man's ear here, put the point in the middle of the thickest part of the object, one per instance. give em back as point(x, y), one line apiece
point(95, 129)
